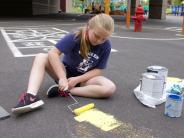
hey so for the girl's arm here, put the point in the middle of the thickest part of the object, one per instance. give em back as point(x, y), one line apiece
point(83, 78)
point(90, 74)
point(58, 67)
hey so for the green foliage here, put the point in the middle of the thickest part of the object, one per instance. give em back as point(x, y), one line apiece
point(168, 11)
point(176, 2)
point(77, 2)
point(76, 10)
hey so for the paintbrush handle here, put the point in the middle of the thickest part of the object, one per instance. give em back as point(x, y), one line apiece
point(69, 93)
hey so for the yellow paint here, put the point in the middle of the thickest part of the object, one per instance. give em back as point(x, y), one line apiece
point(82, 109)
point(173, 79)
point(126, 130)
point(99, 119)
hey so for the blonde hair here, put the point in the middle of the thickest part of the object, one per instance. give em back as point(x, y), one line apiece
point(103, 21)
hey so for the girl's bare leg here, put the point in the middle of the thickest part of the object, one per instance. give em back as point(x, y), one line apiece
point(97, 87)
point(40, 66)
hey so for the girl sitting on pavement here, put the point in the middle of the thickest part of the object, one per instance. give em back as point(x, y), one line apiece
point(86, 53)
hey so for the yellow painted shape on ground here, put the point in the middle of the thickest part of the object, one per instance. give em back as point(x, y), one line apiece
point(99, 119)
point(173, 79)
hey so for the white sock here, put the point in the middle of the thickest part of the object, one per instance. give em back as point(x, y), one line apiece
point(33, 93)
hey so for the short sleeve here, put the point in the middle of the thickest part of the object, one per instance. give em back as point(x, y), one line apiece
point(66, 44)
point(105, 56)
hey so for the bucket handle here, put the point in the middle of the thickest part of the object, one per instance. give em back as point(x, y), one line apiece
point(140, 84)
point(164, 86)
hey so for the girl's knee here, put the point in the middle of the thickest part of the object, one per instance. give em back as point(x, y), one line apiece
point(110, 90)
point(41, 57)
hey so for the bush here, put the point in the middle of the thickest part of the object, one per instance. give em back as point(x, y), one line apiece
point(168, 11)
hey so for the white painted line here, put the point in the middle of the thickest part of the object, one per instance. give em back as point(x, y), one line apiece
point(28, 55)
point(33, 47)
point(179, 35)
point(19, 40)
point(170, 28)
point(155, 39)
point(178, 29)
point(147, 27)
point(52, 41)
point(39, 26)
point(60, 30)
point(114, 50)
point(32, 40)
point(11, 45)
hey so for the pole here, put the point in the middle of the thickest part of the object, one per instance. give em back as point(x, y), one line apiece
point(137, 3)
point(107, 6)
point(183, 26)
point(128, 14)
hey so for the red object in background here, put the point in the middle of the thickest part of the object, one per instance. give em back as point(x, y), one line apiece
point(63, 5)
point(138, 19)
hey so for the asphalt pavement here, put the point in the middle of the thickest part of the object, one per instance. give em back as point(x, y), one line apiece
point(159, 43)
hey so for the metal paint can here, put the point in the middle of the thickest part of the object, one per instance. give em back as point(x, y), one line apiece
point(158, 69)
point(152, 84)
point(173, 105)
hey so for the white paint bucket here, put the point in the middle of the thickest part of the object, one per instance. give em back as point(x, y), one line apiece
point(152, 84)
point(173, 105)
point(158, 69)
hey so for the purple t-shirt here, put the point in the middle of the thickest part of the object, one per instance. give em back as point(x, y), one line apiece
point(97, 57)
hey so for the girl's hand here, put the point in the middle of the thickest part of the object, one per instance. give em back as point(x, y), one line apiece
point(72, 81)
point(63, 84)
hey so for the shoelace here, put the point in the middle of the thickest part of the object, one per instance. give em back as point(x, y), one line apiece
point(63, 93)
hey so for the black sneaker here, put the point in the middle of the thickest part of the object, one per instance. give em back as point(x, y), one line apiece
point(27, 102)
point(54, 91)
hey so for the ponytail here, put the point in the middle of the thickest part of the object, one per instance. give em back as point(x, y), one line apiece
point(84, 42)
